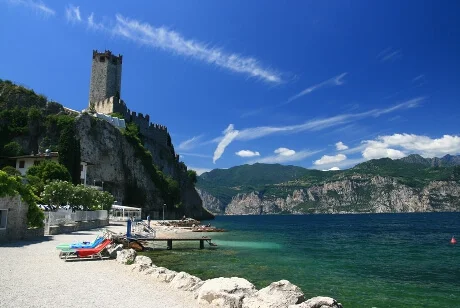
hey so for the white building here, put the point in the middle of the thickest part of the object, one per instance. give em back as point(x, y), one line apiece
point(24, 162)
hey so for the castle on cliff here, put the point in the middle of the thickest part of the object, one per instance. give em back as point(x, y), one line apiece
point(105, 96)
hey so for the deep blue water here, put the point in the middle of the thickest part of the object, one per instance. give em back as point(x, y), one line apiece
point(366, 260)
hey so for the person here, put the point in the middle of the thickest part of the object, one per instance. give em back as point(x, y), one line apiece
point(148, 220)
point(183, 218)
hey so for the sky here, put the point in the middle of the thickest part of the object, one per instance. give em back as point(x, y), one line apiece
point(317, 84)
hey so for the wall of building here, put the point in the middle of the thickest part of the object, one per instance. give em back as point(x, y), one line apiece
point(29, 162)
point(16, 225)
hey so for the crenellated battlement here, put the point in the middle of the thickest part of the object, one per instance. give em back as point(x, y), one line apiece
point(105, 89)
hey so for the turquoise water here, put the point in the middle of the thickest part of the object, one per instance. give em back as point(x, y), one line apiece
point(368, 260)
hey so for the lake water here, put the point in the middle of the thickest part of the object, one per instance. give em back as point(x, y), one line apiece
point(367, 260)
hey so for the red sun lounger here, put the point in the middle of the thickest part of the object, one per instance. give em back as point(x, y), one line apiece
point(86, 253)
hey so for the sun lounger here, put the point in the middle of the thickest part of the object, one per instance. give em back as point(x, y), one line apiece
point(76, 245)
point(86, 253)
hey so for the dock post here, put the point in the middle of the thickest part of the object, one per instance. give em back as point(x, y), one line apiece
point(169, 244)
point(201, 244)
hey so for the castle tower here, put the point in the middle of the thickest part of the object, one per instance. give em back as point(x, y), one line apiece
point(105, 76)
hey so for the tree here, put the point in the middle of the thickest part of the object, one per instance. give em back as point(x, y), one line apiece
point(11, 171)
point(12, 186)
point(192, 177)
point(104, 200)
point(58, 193)
point(49, 171)
point(12, 149)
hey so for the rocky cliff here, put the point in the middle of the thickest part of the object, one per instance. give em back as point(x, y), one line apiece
point(360, 194)
point(113, 159)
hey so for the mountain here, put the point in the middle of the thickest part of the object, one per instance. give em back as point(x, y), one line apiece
point(136, 169)
point(380, 185)
point(445, 161)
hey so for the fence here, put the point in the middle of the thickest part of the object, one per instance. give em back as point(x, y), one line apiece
point(66, 217)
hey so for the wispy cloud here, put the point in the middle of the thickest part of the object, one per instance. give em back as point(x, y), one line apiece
point(419, 78)
point(94, 25)
point(229, 134)
point(311, 125)
point(35, 5)
point(163, 38)
point(247, 153)
point(284, 155)
point(327, 159)
point(194, 155)
point(340, 146)
point(389, 54)
point(190, 143)
point(72, 13)
point(334, 81)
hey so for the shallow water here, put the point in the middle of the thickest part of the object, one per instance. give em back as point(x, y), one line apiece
point(367, 260)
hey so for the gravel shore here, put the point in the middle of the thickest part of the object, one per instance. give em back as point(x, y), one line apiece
point(32, 275)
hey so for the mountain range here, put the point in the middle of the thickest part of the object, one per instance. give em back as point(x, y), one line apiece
point(410, 184)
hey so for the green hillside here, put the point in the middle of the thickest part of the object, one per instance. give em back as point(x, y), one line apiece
point(278, 180)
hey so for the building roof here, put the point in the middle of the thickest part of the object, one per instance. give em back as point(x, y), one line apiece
point(121, 207)
point(41, 155)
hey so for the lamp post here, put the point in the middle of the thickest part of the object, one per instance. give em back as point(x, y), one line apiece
point(164, 211)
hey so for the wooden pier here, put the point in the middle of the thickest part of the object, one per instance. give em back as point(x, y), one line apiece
point(138, 244)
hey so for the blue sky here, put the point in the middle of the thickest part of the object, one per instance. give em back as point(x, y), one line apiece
point(319, 84)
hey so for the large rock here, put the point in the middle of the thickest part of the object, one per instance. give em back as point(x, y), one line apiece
point(318, 302)
point(279, 294)
point(162, 274)
point(112, 250)
point(126, 256)
point(225, 292)
point(185, 281)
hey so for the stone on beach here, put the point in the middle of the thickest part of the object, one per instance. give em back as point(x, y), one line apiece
point(126, 256)
point(318, 302)
point(225, 292)
point(162, 274)
point(186, 282)
point(278, 294)
point(113, 250)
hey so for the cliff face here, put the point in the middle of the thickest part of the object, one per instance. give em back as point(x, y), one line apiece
point(113, 160)
point(361, 194)
point(211, 203)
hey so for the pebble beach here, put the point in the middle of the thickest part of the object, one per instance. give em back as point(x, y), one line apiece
point(32, 275)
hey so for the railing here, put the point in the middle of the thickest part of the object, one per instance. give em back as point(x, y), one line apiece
point(63, 217)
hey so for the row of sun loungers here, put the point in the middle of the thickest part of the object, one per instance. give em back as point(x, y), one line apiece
point(86, 250)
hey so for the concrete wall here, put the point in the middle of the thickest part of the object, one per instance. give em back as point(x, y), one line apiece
point(77, 226)
point(29, 162)
point(16, 212)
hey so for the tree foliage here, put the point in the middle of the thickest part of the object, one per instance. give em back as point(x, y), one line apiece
point(12, 186)
point(48, 171)
point(192, 176)
point(12, 149)
point(11, 171)
point(77, 196)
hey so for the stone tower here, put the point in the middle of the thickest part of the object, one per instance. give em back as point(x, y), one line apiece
point(105, 76)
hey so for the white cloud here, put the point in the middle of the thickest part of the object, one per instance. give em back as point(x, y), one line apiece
point(229, 135)
point(94, 25)
point(281, 157)
point(163, 38)
point(340, 146)
point(375, 151)
point(317, 124)
point(36, 5)
point(389, 54)
point(72, 13)
point(400, 145)
point(334, 81)
point(333, 169)
point(190, 143)
point(195, 155)
point(284, 152)
point(199, 170)
point(326, 159)
point(247, 153)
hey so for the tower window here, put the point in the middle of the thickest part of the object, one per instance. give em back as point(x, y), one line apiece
point(102, 58)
